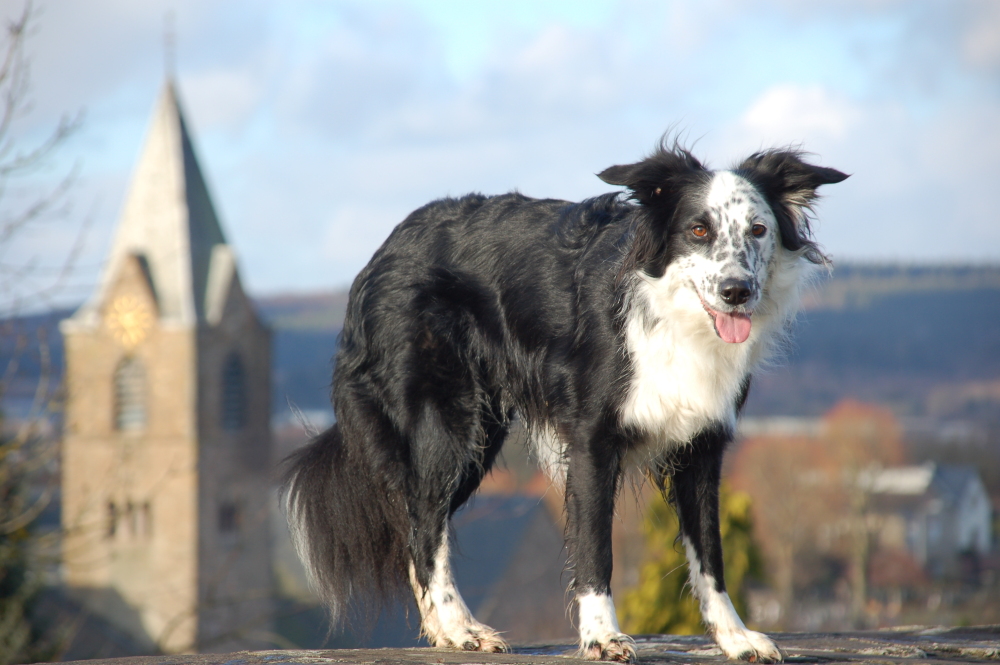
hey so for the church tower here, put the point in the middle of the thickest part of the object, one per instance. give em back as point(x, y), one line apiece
point(166, 452)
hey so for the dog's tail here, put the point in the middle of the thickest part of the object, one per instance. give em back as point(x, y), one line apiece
point(347, 528)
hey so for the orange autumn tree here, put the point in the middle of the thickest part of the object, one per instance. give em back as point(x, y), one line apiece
point(863, 439)
point(811, 495)
point(793, 482)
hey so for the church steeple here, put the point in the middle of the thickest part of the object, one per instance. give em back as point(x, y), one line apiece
point(169, 222)
point(166, 442)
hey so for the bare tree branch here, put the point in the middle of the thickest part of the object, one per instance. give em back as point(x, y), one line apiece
point(28, 446)
point(25, 211)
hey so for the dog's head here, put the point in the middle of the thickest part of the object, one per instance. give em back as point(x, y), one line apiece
point(723, 230)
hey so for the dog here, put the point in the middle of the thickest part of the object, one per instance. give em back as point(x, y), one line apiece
point(620, 329)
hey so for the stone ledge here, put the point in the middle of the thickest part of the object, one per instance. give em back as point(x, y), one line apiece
point(913, 644)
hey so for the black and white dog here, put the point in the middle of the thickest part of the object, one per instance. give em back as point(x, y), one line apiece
point(614, 329)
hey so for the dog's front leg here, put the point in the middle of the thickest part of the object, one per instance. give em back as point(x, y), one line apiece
point(591, 485)
point(694, 492)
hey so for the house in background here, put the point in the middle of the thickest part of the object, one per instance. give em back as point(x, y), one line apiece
point(939, 514)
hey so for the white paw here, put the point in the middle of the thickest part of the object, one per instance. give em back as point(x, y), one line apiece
point(600, 636)
point(617, 647)
point(472, 637)
point(749, 645)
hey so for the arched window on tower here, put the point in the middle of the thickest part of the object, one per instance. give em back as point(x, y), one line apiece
point(130, 396)
point(234, 394)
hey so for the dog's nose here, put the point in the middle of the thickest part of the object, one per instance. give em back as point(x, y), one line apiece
point(735, 291)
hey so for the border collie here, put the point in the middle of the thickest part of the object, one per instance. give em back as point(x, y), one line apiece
point(617, 329)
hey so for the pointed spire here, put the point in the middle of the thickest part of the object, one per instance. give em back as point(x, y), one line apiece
point(168, 219)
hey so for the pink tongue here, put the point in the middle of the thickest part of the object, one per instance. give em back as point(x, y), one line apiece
point(732, 328)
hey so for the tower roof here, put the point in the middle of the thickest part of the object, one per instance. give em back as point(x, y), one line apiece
point(168, 221)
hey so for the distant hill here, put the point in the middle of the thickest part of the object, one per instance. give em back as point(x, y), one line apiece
point(923, 339)
point(856, 286)
point(896, 335)
point(313, 312)
point(31, 350)
point(893, 334)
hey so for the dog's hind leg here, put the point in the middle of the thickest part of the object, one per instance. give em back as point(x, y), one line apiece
point(445, 619)
point(449, 473)
point(694, 491)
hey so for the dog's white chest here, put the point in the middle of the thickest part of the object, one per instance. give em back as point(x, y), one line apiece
point(684, 378)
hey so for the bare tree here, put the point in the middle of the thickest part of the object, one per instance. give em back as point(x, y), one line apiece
point(23, 279)
point(28, 446)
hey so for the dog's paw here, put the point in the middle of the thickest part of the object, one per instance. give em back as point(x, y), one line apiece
point(474, 638)
point(619, 648)
point(485, 639)
point(750, 646)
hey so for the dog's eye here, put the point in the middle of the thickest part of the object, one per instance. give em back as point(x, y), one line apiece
point(758, 230)
point(699, 230)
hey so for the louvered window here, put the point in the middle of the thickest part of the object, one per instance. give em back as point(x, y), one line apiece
point(130, 396)
point(133, 519)
point(112, 527)
point(234, 398)
point(230, 517)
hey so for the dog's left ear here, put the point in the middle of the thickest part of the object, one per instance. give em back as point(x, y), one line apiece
point(658, 176)
point(782, 176)
point(790, 185)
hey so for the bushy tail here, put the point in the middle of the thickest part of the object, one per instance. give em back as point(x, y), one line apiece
point(349, 531)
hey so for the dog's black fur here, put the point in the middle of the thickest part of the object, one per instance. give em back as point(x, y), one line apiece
point(481, 309)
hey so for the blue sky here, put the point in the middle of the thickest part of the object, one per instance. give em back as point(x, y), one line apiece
point(320, 125)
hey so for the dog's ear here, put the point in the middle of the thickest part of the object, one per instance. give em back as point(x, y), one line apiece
point(657, 182)
point(657, 177)
point(790, 185)
point(784, 177)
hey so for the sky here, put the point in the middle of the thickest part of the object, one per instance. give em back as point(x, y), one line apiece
point(320, 125)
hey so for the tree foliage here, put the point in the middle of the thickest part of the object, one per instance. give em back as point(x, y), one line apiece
point(662, 601)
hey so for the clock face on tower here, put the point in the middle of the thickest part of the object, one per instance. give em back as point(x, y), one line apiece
point(128, 320)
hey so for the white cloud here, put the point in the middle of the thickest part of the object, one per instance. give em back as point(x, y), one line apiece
point(786, 113)
point(981, 40)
